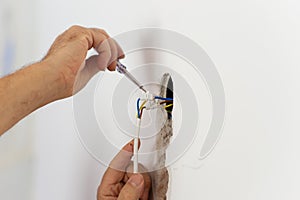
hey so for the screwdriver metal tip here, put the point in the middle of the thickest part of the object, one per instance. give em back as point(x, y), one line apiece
point(122, 69)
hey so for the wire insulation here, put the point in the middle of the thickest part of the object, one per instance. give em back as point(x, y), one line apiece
point(162, 98)
point(167, 106)
point(138, 107)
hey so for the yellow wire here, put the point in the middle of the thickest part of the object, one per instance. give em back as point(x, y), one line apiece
point(167, 106)
point(142, 105)
point(144, 102)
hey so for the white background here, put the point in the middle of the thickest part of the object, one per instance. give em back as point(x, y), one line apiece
point(255, 46)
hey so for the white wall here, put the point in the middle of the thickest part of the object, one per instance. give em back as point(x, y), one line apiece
point(254, 45)
point(17, 48)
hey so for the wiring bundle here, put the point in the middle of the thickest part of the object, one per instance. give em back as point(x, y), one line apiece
point(148, 103)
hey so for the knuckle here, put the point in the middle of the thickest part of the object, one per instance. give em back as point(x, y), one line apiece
point(103, 31)
point(75, 28)
point(77, 32)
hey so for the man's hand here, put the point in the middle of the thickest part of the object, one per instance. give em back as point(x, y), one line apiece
point(68, 52)
point(63, 72)
point(119, 184)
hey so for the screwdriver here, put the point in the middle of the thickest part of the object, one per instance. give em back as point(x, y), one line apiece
point(122, 69)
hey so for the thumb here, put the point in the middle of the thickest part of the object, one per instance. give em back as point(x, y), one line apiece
point(133, 189)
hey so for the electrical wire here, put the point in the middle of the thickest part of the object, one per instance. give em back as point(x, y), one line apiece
point(135, 145)
point(136, 148)
point(167, 101)
point(138, 107)
point(162, 98)
point(141, 112)
point(142, 105)
point(167, 106)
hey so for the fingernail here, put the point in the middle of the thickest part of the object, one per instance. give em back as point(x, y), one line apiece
point(136, 180)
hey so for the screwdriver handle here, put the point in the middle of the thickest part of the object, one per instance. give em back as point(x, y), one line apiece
point(121, 68)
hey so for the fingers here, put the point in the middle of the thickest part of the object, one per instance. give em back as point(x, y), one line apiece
point(109, 50)
point(147, 180)
point(112, 180)
point(147, 185)
point(77, 40)
point(133, 189)
point(117, 168)
point(67, 56)
point(103, 59)
point(137, 186)
point(97, 36)
point(116, 53)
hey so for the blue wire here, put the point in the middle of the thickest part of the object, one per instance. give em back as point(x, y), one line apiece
point(156, 97)
point(138, 107)
point(161, 98)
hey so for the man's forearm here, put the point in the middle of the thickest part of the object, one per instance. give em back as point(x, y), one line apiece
point(26, 90)
point(63, 71)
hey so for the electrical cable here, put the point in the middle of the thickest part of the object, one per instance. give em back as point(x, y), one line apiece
point(142, 105)
point(138, 107)
point(167, 101)
point(167, 106)
point(141, 113)
point(136, 147)
point(136, 139)
point(162, 98)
